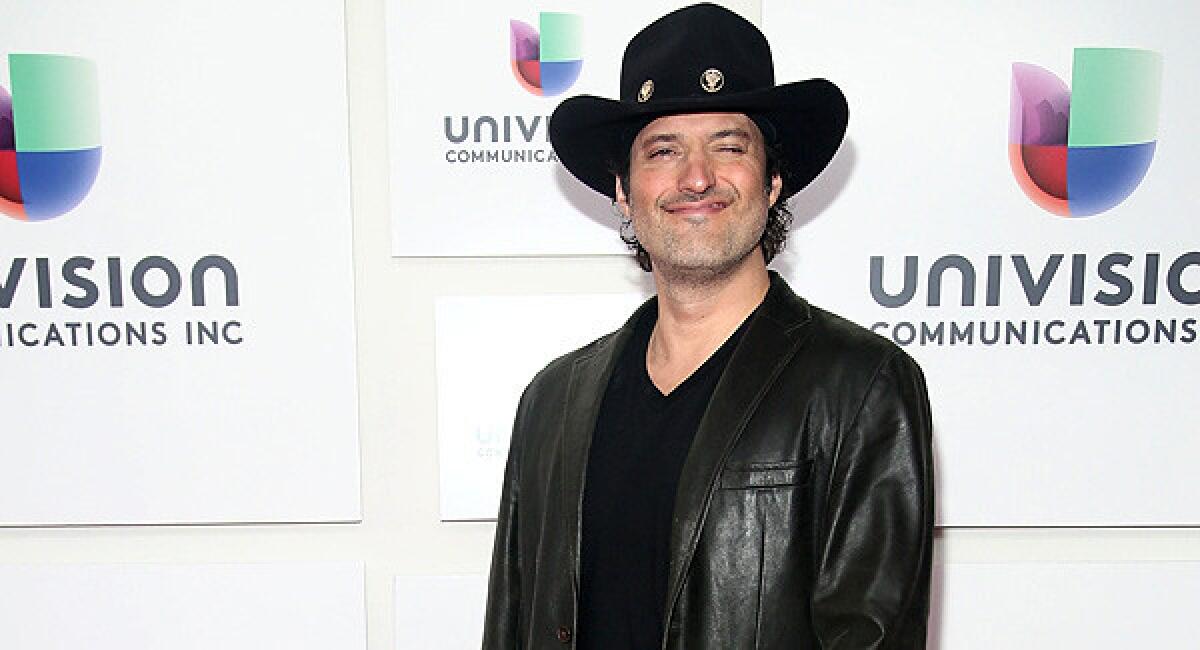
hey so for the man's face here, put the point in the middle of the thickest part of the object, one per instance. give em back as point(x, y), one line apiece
point(698, 194)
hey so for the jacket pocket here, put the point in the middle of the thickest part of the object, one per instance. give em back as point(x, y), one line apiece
point(765, 475)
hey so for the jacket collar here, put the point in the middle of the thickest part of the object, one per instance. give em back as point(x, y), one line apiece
point(778, 328)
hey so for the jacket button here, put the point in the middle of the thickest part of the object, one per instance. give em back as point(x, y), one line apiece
point(564, 634)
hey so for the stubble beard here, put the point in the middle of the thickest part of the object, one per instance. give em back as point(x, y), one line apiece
point(685, 261)
point(681, 265)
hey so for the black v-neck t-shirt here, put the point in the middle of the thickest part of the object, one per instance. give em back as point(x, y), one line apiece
point(641, 440)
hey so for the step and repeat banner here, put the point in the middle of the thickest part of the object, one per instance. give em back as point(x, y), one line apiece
point(1013, 205)
point(176, 290)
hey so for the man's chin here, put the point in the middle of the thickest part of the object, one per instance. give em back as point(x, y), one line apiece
point(703, 269)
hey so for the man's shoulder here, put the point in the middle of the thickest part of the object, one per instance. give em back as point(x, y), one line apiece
point(846, 366)
point(825, 333)
point(560, 368)
point(845, 342)
point(839, 330)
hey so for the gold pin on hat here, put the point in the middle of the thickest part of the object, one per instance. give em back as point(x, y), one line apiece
point(712, 80)
point(646, 90)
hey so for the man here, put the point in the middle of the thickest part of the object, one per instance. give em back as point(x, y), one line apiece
point(734, 468)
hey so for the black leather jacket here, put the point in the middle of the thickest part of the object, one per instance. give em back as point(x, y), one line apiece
point(804, 514)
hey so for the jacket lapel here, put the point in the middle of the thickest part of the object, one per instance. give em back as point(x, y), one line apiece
point(766, 347)
point(589, 379)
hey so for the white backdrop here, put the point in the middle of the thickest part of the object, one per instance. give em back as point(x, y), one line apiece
point(217, 141)
point(401, 533)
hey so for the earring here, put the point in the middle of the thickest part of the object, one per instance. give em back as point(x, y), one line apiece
point(626, 223)
point(627, 229)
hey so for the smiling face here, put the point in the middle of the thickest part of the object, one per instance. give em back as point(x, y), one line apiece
point(698, 192)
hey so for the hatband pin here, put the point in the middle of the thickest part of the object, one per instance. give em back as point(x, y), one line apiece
point(712, 80)
point(646, 90)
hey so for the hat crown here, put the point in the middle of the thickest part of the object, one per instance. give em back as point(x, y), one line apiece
point(696, 52)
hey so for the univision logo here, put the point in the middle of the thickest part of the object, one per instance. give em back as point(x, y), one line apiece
point(49, 135)
point(1079, 152)
point(549, 65)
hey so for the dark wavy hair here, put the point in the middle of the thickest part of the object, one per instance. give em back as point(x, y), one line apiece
point(779, 218)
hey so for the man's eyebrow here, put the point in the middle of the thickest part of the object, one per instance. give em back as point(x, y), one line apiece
point(730, 133)
point(674, 137)
point(660, 137)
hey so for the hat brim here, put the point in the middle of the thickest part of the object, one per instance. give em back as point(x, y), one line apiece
point(590, 134)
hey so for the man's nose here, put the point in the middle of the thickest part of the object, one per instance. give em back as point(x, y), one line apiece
point(696, 175)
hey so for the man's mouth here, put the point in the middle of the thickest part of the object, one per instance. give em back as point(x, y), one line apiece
point(684, 208)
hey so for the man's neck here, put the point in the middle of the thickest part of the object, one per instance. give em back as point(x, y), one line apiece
point(695, 318)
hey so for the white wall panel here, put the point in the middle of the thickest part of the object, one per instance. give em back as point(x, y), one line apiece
point(223, 127)
point(1065, 605)
point(439, 612)
point(1086, 430)
point(488, 350)
point(182, 607)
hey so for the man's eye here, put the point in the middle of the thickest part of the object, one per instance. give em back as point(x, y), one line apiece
point(659, 153)
point(731, 148)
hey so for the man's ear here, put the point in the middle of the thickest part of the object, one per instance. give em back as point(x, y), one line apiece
point(776, 189)
point(620, 200)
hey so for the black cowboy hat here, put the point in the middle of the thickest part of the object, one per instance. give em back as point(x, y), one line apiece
point(700, 59)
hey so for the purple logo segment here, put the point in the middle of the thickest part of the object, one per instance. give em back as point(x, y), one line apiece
point(1079, 154)
point(549, 63)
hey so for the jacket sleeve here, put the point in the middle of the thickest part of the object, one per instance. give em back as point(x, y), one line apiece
point(501, 626)
point(875, 536)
